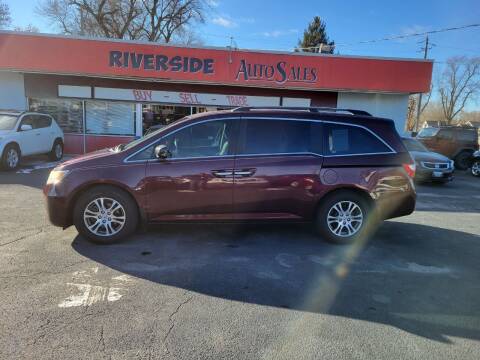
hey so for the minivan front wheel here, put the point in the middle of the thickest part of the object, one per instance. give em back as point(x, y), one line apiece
point(105, 215)
point(343, 218)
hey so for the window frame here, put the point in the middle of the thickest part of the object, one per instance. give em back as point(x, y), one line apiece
point(39, 118)
point(243, 133)
point(156, 141)
point(238, 139)
point(21, 121)
point(325, 142)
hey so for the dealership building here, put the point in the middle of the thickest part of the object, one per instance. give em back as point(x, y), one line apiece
point(103, 92)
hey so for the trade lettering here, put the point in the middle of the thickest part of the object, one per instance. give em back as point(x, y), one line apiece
point(237, 100)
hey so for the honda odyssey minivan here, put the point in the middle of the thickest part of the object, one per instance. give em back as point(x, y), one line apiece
point(340, 169)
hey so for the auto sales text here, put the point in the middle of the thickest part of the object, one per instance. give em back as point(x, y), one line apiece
point(281, 73)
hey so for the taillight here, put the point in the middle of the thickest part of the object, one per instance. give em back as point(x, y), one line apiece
point(410, 169)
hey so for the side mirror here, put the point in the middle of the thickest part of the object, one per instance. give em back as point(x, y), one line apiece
point(162, 152)
point(26, 127)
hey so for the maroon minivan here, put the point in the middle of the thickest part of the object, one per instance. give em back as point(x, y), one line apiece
point(341, 169)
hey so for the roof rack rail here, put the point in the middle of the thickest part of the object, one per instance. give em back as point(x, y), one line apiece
point(307, 108)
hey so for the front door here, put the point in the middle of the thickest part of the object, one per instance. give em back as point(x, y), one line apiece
point(196, 182)
point(44, 128)
point(29, 140)
point(277, 169)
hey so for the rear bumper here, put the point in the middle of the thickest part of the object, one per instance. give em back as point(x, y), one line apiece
point(396, 205)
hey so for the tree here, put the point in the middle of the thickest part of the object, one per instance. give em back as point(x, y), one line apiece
point(152, 20)
point(5, 18)
point(28, 28)
point(412, 107)
point(459, 83)
point(315, 38)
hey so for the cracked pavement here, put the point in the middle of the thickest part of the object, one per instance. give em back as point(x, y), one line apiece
point(253, 292)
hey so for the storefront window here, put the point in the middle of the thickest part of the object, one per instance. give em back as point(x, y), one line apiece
point(155, 116)
point(110, 118)
point(67, 113)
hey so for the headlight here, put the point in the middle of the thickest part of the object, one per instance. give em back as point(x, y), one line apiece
point(56, 176)
point(451, 164)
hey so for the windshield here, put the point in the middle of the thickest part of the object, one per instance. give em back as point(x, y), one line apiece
point(428, 132)
point(7, 122)
point(414, 145)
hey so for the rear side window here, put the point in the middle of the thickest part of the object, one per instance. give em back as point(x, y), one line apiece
point(446, 134)
point(43, 121)
point(351, 140)
point(262, 136)
point(467, 135)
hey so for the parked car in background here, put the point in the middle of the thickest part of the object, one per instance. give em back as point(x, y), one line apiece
point(339, 169)
point(430, 166)
point(456, 142)
point(476, 163)
point(28, 133)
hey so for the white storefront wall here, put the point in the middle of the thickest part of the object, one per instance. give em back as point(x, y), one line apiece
point(391, 106)
point(12, 91)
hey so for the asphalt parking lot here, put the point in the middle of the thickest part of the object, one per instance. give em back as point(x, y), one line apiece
point(255, 292)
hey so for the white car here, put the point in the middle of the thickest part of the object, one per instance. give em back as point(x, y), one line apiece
point(28, 133)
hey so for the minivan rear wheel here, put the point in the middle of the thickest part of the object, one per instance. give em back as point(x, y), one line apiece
point(344, 218)
point(105, 215)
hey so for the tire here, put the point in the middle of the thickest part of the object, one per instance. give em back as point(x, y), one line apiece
point(476, 168)
point(56, 153)
point(11, 157)
point(462, 160)
point(105, 230)
point(328, 211)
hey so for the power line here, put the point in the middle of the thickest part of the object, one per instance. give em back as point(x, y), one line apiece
point(403, 36)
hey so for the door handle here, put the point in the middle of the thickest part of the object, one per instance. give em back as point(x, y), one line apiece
point(222, 173)
point(245, 172)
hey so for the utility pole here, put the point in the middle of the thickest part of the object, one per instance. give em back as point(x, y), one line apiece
point(419, 105)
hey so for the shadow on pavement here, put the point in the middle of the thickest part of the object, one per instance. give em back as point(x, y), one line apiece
point(406, 277)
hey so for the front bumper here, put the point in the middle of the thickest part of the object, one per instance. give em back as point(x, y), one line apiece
point(423, 174)
point(57, 208)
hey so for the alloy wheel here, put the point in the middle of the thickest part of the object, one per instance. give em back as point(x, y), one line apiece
point(58, 151)
point(345, 218)
point(12, 158)
point(104, 216)
point(476, 168)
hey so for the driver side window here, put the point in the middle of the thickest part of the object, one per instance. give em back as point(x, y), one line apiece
point(28, 120)
point(212, 138)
